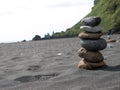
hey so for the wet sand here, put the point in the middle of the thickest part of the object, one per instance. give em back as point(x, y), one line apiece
point(52, 65)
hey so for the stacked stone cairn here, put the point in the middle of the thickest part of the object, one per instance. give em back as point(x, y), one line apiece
point(91, 44)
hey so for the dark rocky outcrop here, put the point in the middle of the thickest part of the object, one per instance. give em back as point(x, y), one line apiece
point(36, 38)
point(113, 31)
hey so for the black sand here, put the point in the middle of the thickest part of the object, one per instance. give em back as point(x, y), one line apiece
point(52, 65)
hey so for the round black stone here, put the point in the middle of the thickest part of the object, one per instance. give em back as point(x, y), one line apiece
point(93, 45)
point(91, 21)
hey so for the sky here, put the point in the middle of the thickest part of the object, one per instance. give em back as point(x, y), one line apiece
point(23, 19)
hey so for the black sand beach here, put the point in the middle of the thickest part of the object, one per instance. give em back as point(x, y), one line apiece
point(52, 65)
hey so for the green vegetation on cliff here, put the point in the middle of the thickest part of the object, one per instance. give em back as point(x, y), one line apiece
point(108, 10)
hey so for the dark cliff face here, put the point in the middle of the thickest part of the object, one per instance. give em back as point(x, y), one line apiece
point(96, 1)
point(109, 11)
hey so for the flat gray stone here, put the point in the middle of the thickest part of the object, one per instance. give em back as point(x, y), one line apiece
point(91, 29)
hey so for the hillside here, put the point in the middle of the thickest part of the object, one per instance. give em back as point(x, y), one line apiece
point(108, 10)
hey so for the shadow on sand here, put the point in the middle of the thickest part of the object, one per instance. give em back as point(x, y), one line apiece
point(110, 68)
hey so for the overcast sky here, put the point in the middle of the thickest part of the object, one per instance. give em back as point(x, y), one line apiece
point(23, 19)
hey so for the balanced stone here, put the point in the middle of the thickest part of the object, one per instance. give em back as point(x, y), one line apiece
point(91, 29)
point(92, 57)
point(93, 45)
point(85, 35)
point(87, 65)
point(91, 21)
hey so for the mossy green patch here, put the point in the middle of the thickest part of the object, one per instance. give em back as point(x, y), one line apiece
point(108, 10)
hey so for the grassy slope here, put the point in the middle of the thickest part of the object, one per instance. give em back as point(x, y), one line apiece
point(108, 10)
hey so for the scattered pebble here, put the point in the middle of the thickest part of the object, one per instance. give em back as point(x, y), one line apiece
point(59, 54)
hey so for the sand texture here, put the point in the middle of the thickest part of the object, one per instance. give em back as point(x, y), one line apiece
point(52, 65)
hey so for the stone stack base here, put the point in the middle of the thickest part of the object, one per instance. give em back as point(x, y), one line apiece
point(87, 65)
point(90, 59)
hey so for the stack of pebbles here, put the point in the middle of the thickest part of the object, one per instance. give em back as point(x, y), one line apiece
point(91, 44)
